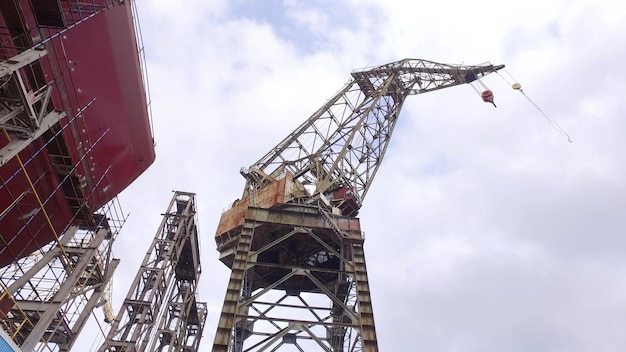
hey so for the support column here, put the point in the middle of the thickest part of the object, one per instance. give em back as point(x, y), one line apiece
point(229, 317)
point(160, 312)
point(307, 284)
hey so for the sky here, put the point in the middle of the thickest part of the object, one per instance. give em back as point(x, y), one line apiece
point(486, 230)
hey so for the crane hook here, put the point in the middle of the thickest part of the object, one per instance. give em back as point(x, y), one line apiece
point(488, 97)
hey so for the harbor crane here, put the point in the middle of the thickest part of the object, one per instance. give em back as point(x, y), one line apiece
point(293, 241)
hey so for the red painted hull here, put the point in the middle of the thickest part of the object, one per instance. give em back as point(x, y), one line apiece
point(110, 141)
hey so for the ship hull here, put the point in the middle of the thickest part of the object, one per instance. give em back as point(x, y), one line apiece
point(101, 146)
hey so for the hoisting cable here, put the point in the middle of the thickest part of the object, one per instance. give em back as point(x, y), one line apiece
point(518, 87)
point(485, 94)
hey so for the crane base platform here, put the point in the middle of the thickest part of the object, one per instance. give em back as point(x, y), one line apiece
point(298, 278)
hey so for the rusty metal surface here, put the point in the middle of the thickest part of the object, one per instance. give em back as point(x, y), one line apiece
point(274, 193)
point(298, 253)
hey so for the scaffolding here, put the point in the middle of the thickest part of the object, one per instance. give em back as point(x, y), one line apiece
point(25, 109)
point(50, 294)
point(39, 174)
point(58, 213)
point(160, 312)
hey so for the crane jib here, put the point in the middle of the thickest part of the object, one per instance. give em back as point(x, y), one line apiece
point(343, 143)
point(295, 231)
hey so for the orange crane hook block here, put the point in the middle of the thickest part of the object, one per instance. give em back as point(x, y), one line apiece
point(488, 97)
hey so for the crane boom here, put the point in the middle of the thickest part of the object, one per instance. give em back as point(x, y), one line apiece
point(293, 240)
point(343, 143)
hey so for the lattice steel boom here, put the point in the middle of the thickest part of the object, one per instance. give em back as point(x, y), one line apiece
point(293, 241)
point(343, 143)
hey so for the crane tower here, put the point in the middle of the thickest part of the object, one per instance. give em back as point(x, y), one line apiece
point(293, 241)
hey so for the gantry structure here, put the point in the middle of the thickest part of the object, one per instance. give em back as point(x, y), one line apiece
point(293, 241)
point(160, 312)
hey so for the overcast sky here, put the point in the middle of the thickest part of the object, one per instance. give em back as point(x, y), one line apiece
point(485, 229)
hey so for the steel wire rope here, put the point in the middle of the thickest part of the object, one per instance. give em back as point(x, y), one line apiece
point(47, 143)
point(25, 227)
point(10, 193)
point(74, 90)
point(106, 192)
point(36, 194)
point(43, 146)
point(61, 181)
point(41, 206)
point(517, 87)
point(57, 279)
point(46, 215)
point(12, 299)
point(144, 68)
point(79, 136)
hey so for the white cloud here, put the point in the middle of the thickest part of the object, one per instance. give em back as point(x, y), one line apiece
point(485, 229)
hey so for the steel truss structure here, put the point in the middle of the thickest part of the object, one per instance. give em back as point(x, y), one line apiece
point(293, 241)
point(286, 258)
point(344, 142)
point(58, 214)
point(49, 171)
point(160, 312)
point(51, 294)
